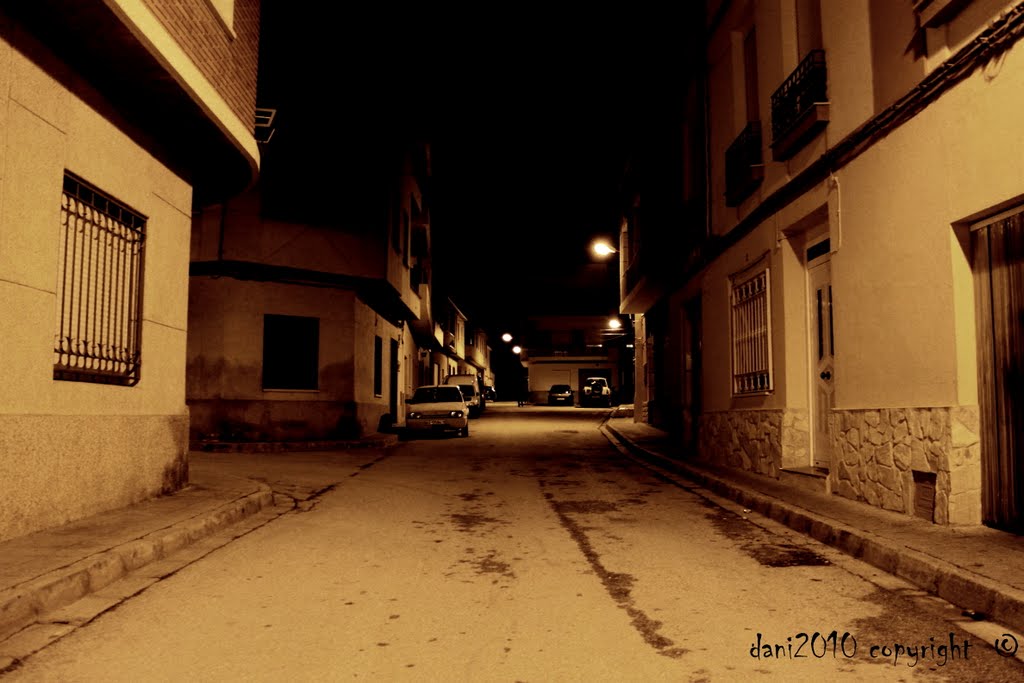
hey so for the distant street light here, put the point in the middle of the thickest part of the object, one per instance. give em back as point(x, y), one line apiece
point(602, 247)
point(506, 337)
point(615, 323)
point(517, 349)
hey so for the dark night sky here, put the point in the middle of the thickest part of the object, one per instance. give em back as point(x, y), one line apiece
point(529, 116)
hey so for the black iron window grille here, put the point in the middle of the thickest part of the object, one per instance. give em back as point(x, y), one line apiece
point(798, 93)
point(99, 287)
point(744, 164)
point(751, 336)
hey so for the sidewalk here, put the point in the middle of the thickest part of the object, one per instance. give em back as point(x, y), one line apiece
point(977, 568)
point(54, 580)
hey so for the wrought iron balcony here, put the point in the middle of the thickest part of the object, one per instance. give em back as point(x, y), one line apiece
point(744, 164)
point(800, 106)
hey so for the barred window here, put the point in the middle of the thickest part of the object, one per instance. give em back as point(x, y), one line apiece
point(99, 287)
point(751, 334)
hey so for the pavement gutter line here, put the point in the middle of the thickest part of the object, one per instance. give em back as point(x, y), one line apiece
point(950, 582)
point(21, 605)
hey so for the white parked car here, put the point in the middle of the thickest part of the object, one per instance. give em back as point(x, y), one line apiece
point(437, 408)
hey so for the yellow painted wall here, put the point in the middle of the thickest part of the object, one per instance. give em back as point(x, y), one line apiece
point(47, 130)
point(894, 273)
point(901, 280)
point(71, 449)
point(225, 344)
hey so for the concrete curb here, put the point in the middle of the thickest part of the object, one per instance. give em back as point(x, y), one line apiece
point(22, 605)
point(948, 581)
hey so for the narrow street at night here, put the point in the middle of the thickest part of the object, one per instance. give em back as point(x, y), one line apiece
point(533, 550)
point(719, 307)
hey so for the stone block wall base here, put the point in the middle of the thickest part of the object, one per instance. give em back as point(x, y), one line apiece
point(745, 439)
point(875, 454)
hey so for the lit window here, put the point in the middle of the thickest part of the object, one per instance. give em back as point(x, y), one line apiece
point(99, 288)
point(751, 334)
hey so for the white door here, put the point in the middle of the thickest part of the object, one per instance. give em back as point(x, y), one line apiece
point(821, 343)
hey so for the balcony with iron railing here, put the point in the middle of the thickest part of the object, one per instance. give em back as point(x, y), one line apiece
point(800, 106)
point(744, 164)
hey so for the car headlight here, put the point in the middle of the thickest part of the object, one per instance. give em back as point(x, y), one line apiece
point(414, 415)
point(456, 413)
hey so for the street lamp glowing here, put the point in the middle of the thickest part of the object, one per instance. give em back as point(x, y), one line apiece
point(517, 349)
point(506, 337)
point(602, 248)
point(615, 323)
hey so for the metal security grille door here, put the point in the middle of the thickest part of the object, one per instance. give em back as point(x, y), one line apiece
point(998, 254)
point(99, 288)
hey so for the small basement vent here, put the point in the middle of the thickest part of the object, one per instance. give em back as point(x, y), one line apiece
point(924, 495)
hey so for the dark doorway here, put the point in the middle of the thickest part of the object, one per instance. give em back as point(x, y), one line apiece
point(998, 255)
point(393, 381)
point(692, 370)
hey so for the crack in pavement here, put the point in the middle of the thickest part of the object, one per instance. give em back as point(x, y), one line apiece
point(618, 585)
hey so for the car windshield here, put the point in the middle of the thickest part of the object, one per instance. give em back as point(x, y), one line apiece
point(561, 389)
point(467, 389)
point(436, 395)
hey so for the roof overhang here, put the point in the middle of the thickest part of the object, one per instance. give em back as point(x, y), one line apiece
point(137, 75)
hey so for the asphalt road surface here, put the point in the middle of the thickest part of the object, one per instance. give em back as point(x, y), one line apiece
point(533, 550)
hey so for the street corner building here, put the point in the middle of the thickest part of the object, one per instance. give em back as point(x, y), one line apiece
point(120, 117)
point(835, 298)
point(310, 314)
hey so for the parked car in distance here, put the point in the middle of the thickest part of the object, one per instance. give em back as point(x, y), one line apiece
point(489, 393)
point(437, 408)
point(561, 394)
point(596, 392)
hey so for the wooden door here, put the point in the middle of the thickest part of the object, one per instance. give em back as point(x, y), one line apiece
point(998, 255)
